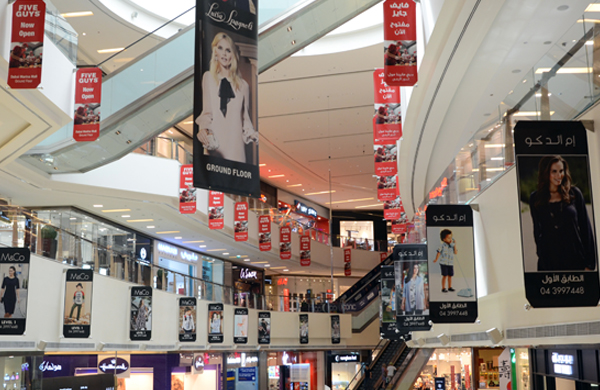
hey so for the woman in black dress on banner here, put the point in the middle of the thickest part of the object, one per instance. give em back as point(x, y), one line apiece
point(10, 292)
point(561, 225)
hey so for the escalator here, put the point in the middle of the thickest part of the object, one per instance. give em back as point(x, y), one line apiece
point(153, 92)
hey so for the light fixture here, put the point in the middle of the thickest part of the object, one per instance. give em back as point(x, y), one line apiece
point(277, 267)
point(594, 7)
point(530, 113)
point(286, 270)
point(494, 335)
point(216, 250)
point(178, 238)
point(98, 205)
point(494, 169)
point(225, 253)
point(262, 165)
point(187, 123)
point(77, 14)
point(444, 339)
point(320, 192)
point(246, 259)
point(539, 94)
point(295, 185)
point(369, 205)
point(350, 200)
point(497, 158)
point(140, 220)
point(116, 211)
point(567, 70)
point(276, 176)
point(125, 216)
point(168, 232)
point(192, 242)
point(150, 227)
point(260, 262)
point(201, 246)
point(487, 146)
point(108, 51)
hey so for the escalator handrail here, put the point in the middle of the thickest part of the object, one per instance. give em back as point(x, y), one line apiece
point(401, 371)
point(361, 370)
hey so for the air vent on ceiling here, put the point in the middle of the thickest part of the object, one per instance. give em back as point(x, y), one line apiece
point(17, 344)
point(476, 336)
point(432, 340)
point(122, 347)
point(70, 346)
point(560, 330)
point(155, 347)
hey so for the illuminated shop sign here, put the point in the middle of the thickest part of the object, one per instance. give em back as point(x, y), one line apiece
point(438, 191)
point(346, 358)
point(246, 273)
point(563, 364)
point(173, 251)
point(168, 249)
point(242, 358)
point(113, 365)
point(49, 366)
point(304, 209)
point(189, 256)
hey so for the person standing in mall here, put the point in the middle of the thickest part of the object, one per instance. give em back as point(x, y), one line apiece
point(391, 370)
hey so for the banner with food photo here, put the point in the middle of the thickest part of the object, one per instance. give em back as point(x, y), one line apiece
point(285, 243)
point(264, 233)
point(226, 97)
point(14, 270)
point(387, 189)
point(336, 333)
point(215, 323)
point(77, 318)
point(387, 117)
point(347, 261)
point(558, 237)
point(387, 312)
point(187, 192)
point(393, 210)
point(400, 42)
point(264, 327)
point(216, 210)
point(26, 44)
point(88, 95)
point(240, 328)
point(187, 319)
point(386, 159)
point(240, 221)
point(305, 251)
point(303, 328)
point(140, 317)
point(451, 261)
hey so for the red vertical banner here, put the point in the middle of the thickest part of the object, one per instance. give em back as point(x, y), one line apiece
point(393, 209)
point(467, 377)
point(386, 159)
point(240, 221)
point(400, 42)
point(398, 228)
point(387, 120)
point(216, 210)
point(264, 233)
point(305, 251)
point(285, 243)
point(386, 188)
point(27, 44)
point(383, 256)
point(88, 91)
point(347, 261)
point(187, 192)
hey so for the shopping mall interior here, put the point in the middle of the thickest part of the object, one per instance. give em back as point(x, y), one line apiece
point(122, 290)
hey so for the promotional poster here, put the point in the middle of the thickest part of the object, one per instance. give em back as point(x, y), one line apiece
point(86, 116)
point(187, 319)
point(386, 159)
point(400, 42)
point(264, 327)
point(451, 264)
point(187, 192)
point(240, 330)
point(216, 210)
point(140, 319)
point(386, 188)
point(225, 97)
point(264, 233)
point(303, 327)
point(14, 270)
point(347, 261)
point(557, 216)
point(393, 210)
point(78, 303)
point(399, 228)
point(336, 333)
point(387, 312)
point(411, 286)
point(26, 44)
point(387, 116)
point(215, 323)
point(240, 221)
point(285, 243)
point(305, 251)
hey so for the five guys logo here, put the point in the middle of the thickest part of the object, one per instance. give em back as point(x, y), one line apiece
point(188, 170)
point(27, 11)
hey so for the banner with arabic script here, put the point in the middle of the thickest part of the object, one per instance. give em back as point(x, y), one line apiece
point(389, 303)
point(400, 42)
point(557, 216)
point(451, 260)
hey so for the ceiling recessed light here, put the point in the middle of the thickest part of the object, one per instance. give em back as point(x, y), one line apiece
point(72, 218)
point(267, 265)
point(192, 242)
point(215, 250)
point(351, 200)
point(246, 259)
point(286, 270)
point(169, 232)
point(187, 123)
point(201, 246)
point(276, 176)
point(140, 220)
point(260, 262)
point(116, 211)
point(150, 227)
point(77, 14)
point(98, 205)
point(178, 238)
point(563, 7)
point(295, 185)
point(113, 50)
point(262, 165)
point(320, 192)
point(125, 216)
point(225, 253)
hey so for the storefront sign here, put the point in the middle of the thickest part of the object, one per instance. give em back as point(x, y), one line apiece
point(305, 251)
point(400, 41)
point(216, 210)
point(557, 218)
point(345, 358)
point(451, 264)
point(240, 330)
point(564, 363)
point(304, 209)
point(189, 256)
point(27, 44)
point(226, 109)
point(187, 319)
point(168, 249)
point(175, 253)
point(248, 274)
point(215, 323)
point(264, 233)
point(240, 221)
point(187, 192)
point(335, 330)
point(77, 310)
point(303, 327)
point(264, 327)
point(88, 91)
point(198, 363)
point(113, 365)
point(49, 366)
point(140, 319)
point(347, 261)
point(285, 243)
point(389, 302)
point(14, 265)
point(440, 383)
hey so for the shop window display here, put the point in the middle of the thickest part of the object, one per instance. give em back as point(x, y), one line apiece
point(454, 365)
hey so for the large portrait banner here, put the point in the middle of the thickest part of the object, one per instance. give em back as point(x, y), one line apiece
point(78, 303)
point(264, 233)
point(557, 216)
point(88, 96)
point(264, 327)
point(387, 312)
point(240, 221)
point(187, 319)
point(26, 44)
point(240, 330)
point(285, 243)
point(140, 318)
point(14, 269)
point(215, 323)
point(400, 42)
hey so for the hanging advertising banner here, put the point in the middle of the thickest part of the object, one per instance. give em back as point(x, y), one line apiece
point(383, 256)
point(451, 261)
point(226, 97)
point(305, 251)
point(557, 216)
point(393, 210)
point(240, 221)
point(240, 329)
point(285, 243)
point(389, 303)
point(347, 261)
point(216, 210)
point(77, 318)
point(505, 369)
point(14, 269)
point(303, 327)
point(88, 91)
point(412, 281)
point(386, 159)
point(264, 233)
point(187, 319)
point(187, 192)
point(400, 42)
point(387, 117)
point(336, 334)
point(264, 327)
point(140, 318)
point(398, 227)
point(26, 44)
point(386, 188)
point(215, 323)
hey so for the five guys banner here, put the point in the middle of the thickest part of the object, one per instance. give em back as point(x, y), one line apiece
point(140, 319)
point(305, 251)
point(216, 210)
point(187, 192)
point(240, 330)
point(77, 312)
point(387, 120)
point(400, 42)
point(335, 329)
point(88, 91)
point(285, 243)
point(27, 44)
point(264, 233)
point(389, 303)
point(347, 261)
point(225, 97)
point(393, 210)
point(557, 215)
point(451, 260)
point(264, 327)
point(187, 319)
point(14, 268)
point(240, 221)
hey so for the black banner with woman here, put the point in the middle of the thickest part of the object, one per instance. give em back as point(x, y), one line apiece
point(14, 269)
point(557, 217)
point(225, 97)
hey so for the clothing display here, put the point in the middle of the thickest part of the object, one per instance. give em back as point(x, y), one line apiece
point(10, 286)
